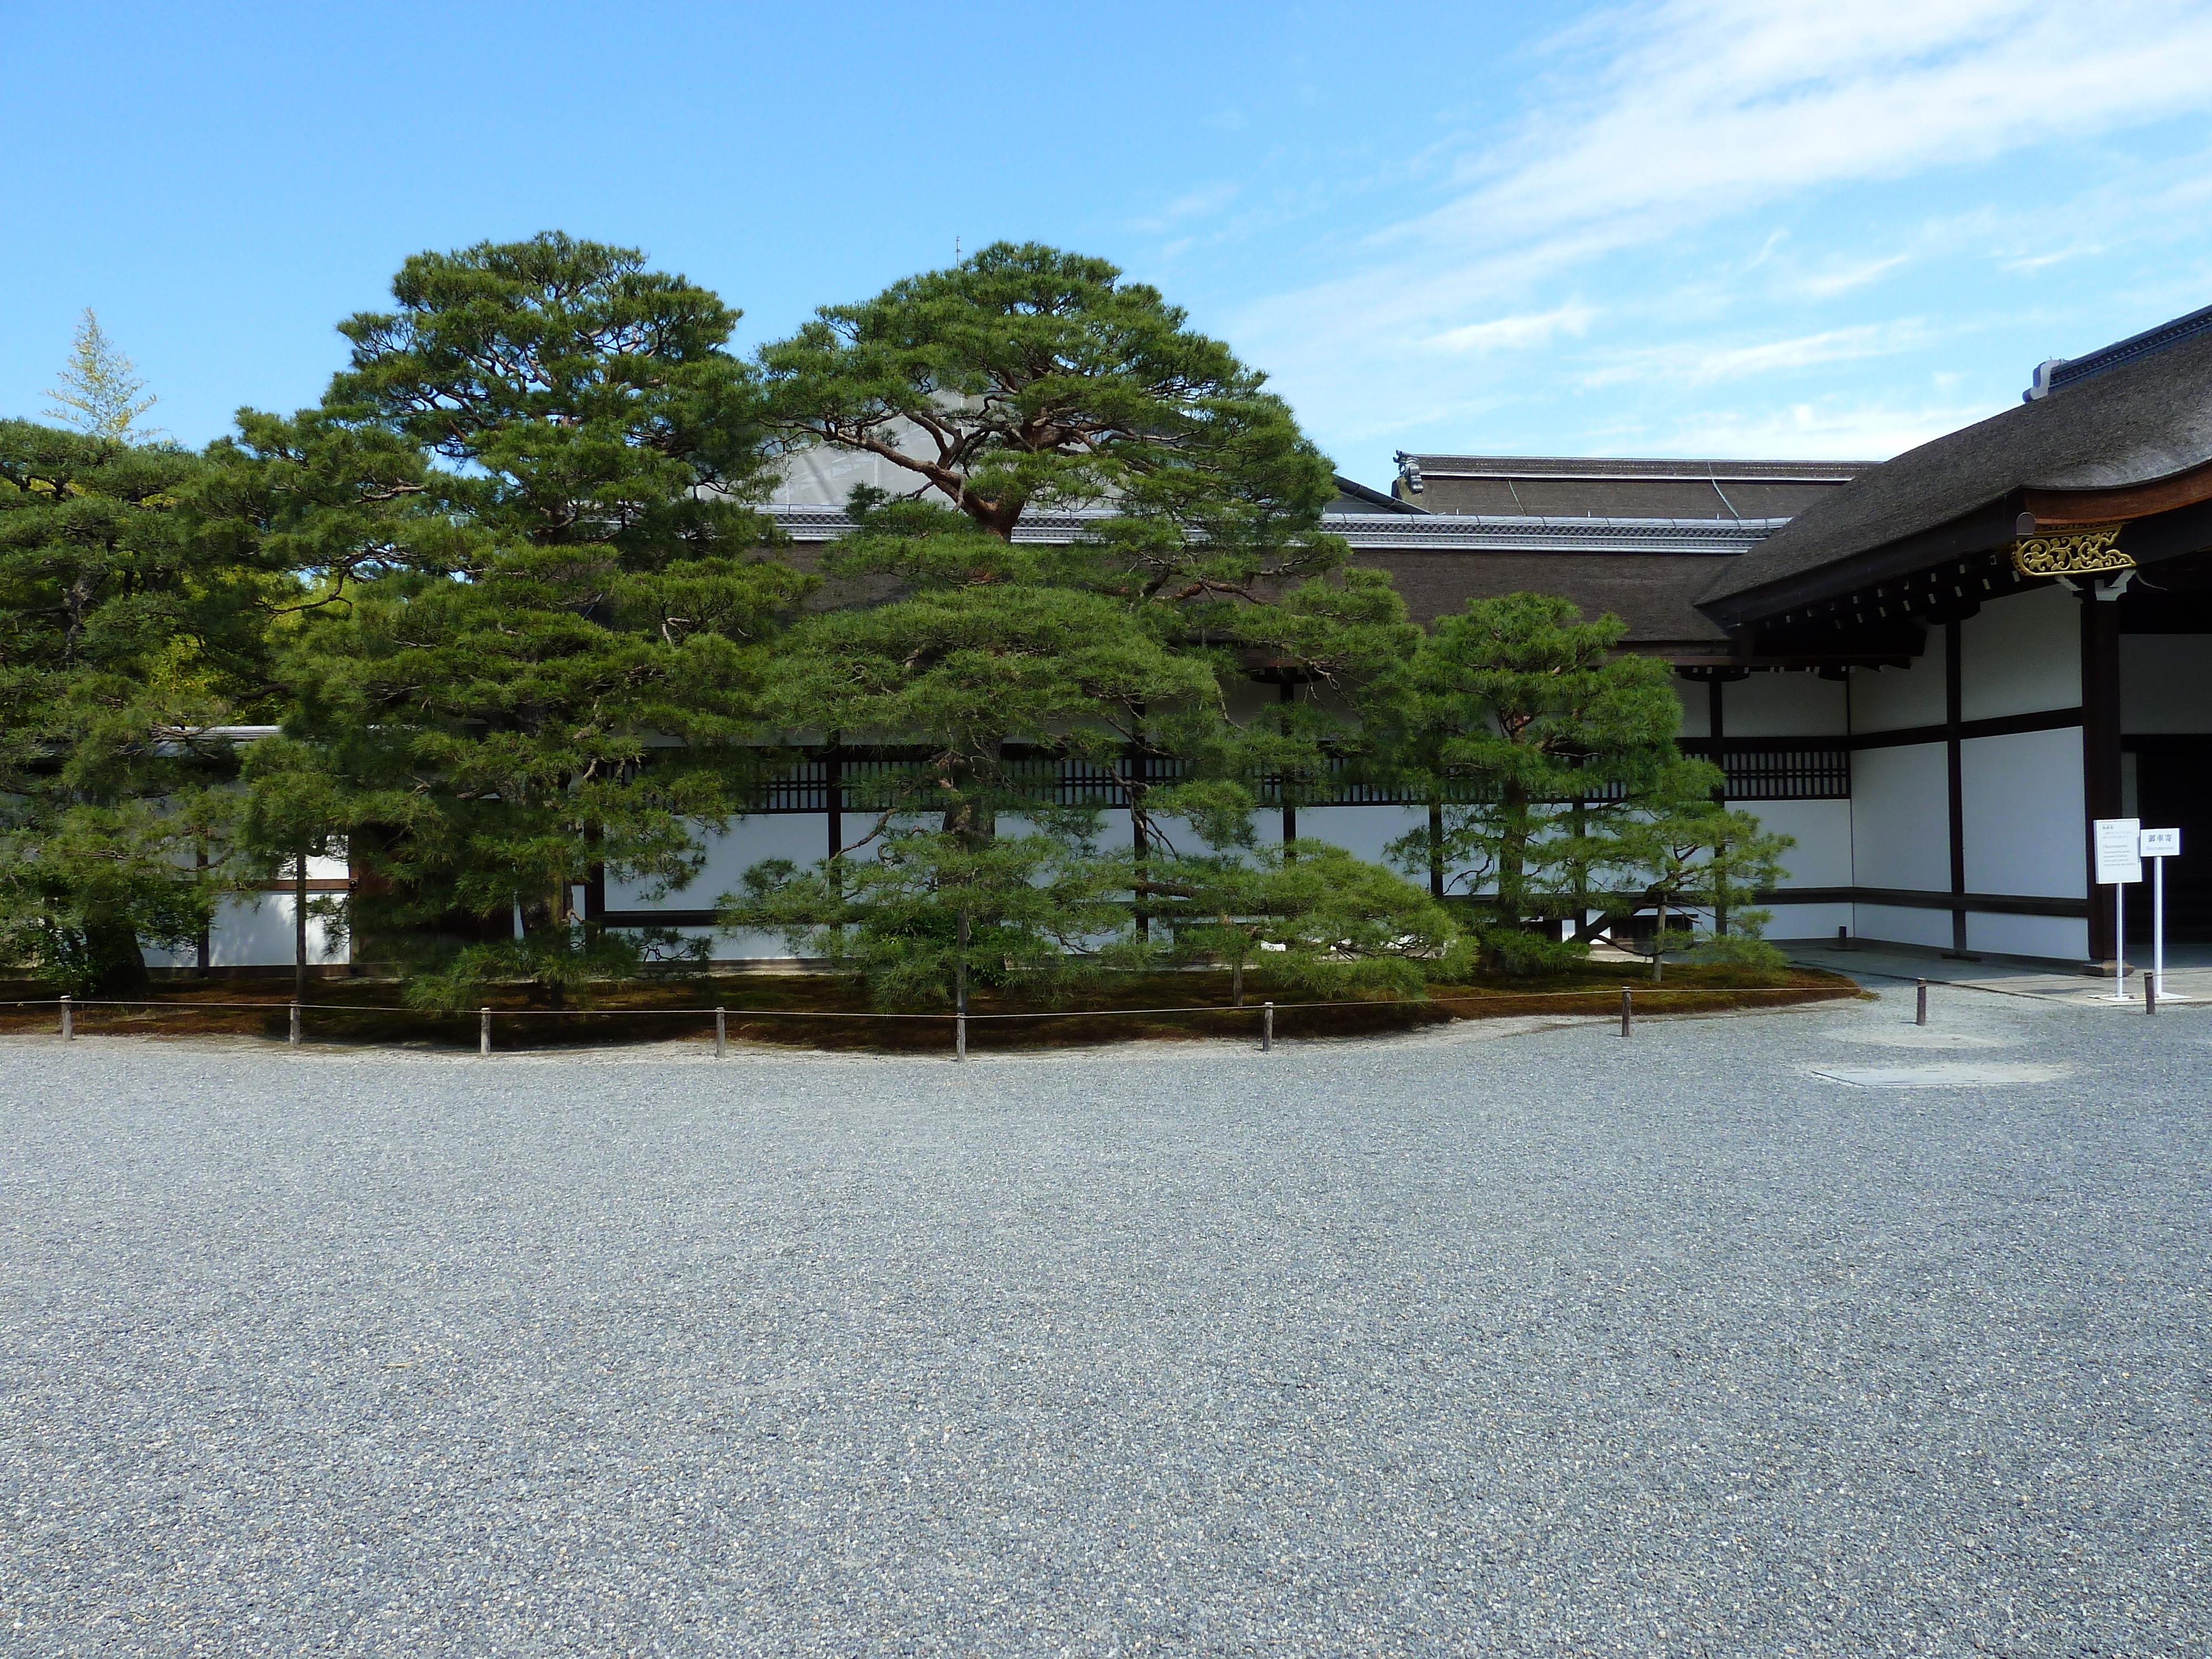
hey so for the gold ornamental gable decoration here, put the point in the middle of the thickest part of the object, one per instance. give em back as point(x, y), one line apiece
point(2081, 551)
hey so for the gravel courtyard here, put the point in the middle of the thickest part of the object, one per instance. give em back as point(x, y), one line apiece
point(1481, 1341)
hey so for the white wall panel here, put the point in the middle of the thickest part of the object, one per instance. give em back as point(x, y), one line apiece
point(1783, 706)
point(254, 930)
point(2023, 810)
point(1808, 922)
point(1696, 709)
point(1822, 856)
point(1890, 699)
point(1901, 818)
point(2166, 682)
point(802, 837)
point(2064, 938)
point(1899, 924)
point(1361, 831)
point(2019, 655)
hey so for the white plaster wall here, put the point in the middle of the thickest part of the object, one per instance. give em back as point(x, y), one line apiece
point(1900, 924)
point(1361, 831)
point(1822, 856)
point(802, 837)
point(1901, 819)
point(1808, 922)
point(2019, 655)
point(1696, 710)
point(2023, 808)
point(2064, 938)
point(2166, 682)
point(1784, 705)
point(1889, 699)
point(254, 930)
point(1181, 837)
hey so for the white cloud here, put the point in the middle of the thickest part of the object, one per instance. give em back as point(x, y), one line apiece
point(1691, 112)
point(1197, 203)
point(1536, 329)
point(1817, 430)
point(1692, 364)
point(1828, 284)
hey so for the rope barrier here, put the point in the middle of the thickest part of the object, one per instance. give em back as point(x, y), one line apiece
point(827, 1014)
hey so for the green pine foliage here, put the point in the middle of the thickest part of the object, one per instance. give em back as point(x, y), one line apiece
point(1538, 742)
point(507, 591)
point(124, 641)
point(1311, 915)
point(541, 611)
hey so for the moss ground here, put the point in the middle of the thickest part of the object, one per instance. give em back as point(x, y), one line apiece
point(823, 1012)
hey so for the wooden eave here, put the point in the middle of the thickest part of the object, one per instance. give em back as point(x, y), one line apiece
point(2062, 509)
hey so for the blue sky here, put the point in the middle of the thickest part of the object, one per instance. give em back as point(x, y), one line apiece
point(1734, 227)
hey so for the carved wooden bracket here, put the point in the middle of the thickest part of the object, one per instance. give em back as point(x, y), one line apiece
point(2081, 551)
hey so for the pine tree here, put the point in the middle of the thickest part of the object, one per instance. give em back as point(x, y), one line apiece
point(124, 642)
point(1683, 851)
point(541, 607)
point(1313, 916)
point(1539, 745)
point(98, 393)
point(1023, 380)
point(981, 685)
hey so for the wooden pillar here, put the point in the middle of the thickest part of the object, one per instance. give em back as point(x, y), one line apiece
point(205, 945)
point(1717, 729)
point(1132, 791)
point(2100, 755)
point(595, 877)
point(1954, 702)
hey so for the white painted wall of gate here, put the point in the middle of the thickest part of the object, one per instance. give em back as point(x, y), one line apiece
point(1901, 818)
point(2021, 654)
point(2022, 797)
point(1891, 699)
point(1771, 705)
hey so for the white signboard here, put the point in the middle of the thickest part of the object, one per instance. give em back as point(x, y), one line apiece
point(2118, 859)
point(2161, 843)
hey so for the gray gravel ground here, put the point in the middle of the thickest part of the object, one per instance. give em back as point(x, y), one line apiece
point(1466, 1342)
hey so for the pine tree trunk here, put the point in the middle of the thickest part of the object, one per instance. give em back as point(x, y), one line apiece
point(1237, 980)
point(1512, 855)
point(1659, 943)
point(120, 964)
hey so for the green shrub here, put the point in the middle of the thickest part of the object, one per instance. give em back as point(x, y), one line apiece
point(1528, 956)
point(1738, 950)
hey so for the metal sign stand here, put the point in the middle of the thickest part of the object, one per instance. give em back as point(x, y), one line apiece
point(2158, 846)
point(2119, 862)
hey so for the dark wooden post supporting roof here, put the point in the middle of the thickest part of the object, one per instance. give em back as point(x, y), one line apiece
point(1954, 712)
point(2100, 755)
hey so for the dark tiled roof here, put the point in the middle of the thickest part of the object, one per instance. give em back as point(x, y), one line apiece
point(1576, 486)
point(2137, 421)
point(1355, 497)
point(1654, 593)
